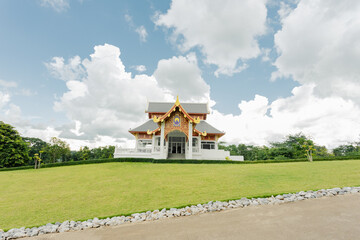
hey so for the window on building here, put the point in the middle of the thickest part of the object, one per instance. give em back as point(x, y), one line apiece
point(207, 145)
point(157, 141)
point(194, 142)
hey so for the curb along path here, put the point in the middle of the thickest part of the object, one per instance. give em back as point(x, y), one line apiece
point(173, 212)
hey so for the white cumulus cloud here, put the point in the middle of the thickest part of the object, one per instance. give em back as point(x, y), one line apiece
point(11, 113)
point(4, 99)
point(181, 76)
point(107, 100)
point(72, 70)
point(331, 121)
point(225, 31)
point(319, 44)
point(57, 5)
point(140, 68)
point(141, 30)
point(7, 84)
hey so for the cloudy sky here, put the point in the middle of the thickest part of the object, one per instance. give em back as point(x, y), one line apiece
point(83, 70)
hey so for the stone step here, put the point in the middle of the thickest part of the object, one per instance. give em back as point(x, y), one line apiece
point(176, 156)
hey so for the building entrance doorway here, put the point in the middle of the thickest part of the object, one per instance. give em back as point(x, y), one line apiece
point(176, 145)
point(177, 142)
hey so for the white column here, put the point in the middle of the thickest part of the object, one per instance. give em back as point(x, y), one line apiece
point(153, 143)
point(162, 138)
point(199, 143)
point(190, 140)
point(136, 142)
point(216, 143)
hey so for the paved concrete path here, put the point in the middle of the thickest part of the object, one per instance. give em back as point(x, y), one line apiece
point(325, 218)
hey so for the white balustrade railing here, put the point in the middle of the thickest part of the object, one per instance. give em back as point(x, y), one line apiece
point(126, 151)
point(155, 152)
point(195, 149)
point(132, 150)
point(144, 150)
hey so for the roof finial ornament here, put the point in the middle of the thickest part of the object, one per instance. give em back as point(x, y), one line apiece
point(177, 103)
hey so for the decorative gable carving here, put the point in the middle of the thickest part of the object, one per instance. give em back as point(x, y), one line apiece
point(171, 126)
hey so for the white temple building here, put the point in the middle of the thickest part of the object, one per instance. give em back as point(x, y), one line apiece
point(176, 131)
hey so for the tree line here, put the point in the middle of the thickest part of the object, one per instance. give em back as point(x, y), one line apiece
point(293, 147)
point(19, 151)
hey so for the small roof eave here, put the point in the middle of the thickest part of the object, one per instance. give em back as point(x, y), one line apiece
point(148, 125)
point(203, 126)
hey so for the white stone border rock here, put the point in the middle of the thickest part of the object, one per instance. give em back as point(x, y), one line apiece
point(173, 212)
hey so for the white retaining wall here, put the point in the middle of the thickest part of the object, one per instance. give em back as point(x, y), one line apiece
point(204, 154)
point(212, 154)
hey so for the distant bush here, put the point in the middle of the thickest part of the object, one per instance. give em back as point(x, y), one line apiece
point(281, 157)
point(336, 158)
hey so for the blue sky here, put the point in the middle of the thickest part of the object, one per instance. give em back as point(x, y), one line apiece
point(257, 61)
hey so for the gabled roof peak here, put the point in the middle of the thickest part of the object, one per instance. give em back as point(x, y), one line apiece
point(177, 102)
point(191, 108)
point(176, 105)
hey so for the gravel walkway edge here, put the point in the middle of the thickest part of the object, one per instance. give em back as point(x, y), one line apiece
point(173, 212)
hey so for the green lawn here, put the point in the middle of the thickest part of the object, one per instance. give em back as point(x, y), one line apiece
point(36, 197)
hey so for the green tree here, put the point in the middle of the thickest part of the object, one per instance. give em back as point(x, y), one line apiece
point(261, 153)
point(13, 150)
point(58, 149)
point(231, 148)
point(249, 152)
point(347, 150)
point(244, 150)
point(293, 147)
point(84, 153)
point(309, 148)
point(75, 156)
point(103, 152)
point(321, 151)
point(37, 146)
point(37, 160)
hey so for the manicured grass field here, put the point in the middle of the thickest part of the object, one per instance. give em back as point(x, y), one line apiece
point(36, 197)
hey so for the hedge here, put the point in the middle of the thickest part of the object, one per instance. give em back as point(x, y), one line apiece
point(183, 161)
point(59, 164)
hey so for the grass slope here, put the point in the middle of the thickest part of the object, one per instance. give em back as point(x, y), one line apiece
point(35, 197)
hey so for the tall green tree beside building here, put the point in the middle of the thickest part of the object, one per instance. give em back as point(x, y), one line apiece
point(13, 149)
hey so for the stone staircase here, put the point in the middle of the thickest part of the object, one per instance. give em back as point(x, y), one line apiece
point(176, 156)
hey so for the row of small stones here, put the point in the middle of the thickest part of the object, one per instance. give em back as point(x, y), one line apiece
point(173, 212)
